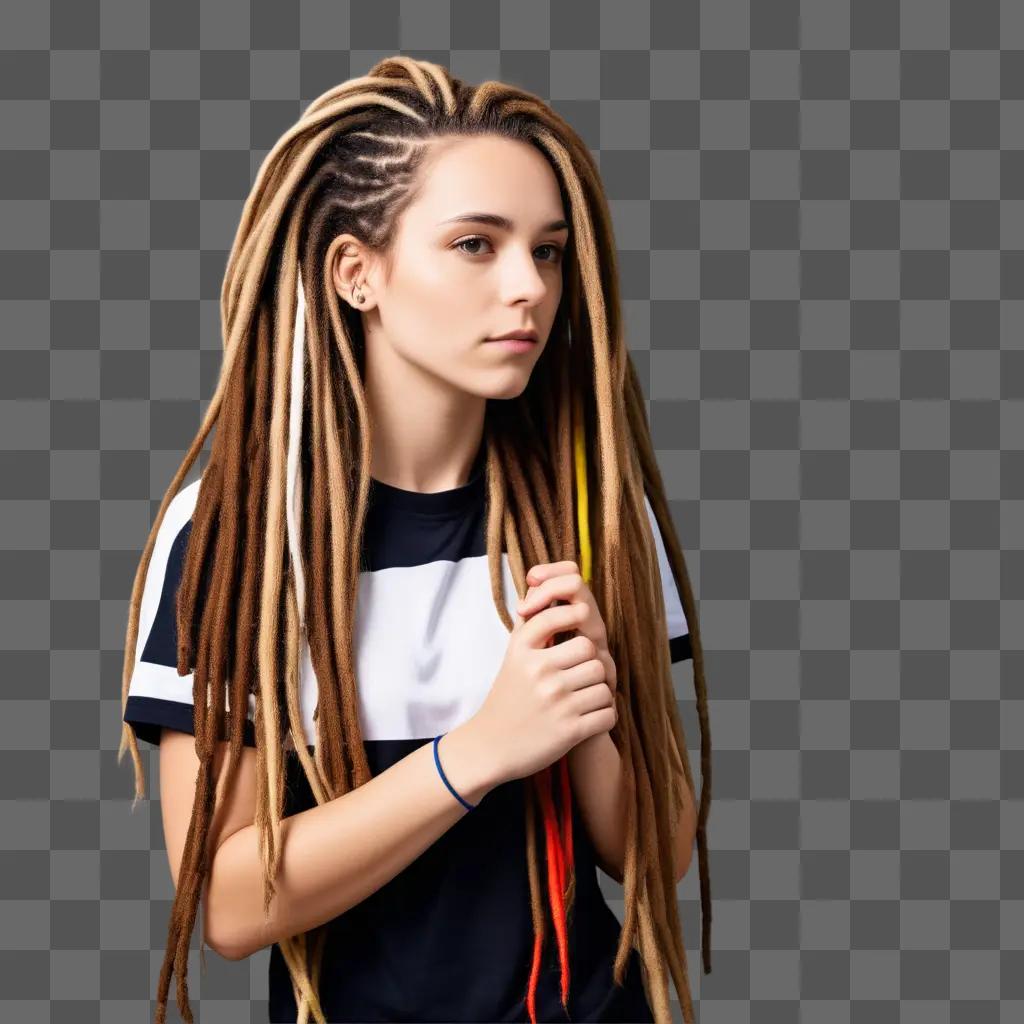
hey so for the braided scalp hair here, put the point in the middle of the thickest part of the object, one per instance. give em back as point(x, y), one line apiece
point(352, 164)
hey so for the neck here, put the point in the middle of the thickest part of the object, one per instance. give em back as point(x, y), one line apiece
point(425, 433)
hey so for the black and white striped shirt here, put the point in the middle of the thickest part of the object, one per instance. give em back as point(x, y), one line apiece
point(450, 937)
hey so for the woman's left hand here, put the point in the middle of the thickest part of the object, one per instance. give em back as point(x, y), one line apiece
point(562, 581)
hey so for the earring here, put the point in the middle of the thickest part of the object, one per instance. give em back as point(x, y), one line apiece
point(358, 295)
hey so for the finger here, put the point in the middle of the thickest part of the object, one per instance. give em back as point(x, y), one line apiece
point(548, 621)
point(522, 614)
point(610, 673)
point(565, 587)
point(592, 695)
point(544, 570)
point(572, 652)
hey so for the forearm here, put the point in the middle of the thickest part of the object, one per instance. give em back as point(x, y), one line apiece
point(595, 768)
point(338, 853)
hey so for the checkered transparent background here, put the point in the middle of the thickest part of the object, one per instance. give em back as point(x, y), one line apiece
point(819, 211)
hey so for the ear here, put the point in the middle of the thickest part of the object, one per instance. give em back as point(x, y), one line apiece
point(350, 262)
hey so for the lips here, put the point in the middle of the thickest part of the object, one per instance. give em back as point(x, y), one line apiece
point(517, 336)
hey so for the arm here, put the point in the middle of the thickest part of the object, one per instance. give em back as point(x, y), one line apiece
point(595, 768)
point(338, 853)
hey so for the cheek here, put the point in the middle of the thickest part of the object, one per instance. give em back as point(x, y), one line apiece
point(551, 304)
point(432, 326)
point(424, 302)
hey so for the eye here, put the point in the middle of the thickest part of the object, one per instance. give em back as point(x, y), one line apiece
point(469, 241)
point(556, 249)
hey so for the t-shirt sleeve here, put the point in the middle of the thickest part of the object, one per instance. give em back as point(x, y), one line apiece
point(157, 696)
point(678, 631)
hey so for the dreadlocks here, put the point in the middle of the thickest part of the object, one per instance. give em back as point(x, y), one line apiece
point(294, 434)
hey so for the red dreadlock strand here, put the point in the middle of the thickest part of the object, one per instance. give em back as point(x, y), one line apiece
point(556, 884)
point(559, 848)
point(556, 887)
point(566, 814)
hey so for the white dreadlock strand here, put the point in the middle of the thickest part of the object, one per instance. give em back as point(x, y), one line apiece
point(293, 476)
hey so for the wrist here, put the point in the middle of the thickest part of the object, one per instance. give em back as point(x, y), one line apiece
point(467, 762)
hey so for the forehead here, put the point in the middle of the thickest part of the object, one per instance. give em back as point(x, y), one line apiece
point(488, 173)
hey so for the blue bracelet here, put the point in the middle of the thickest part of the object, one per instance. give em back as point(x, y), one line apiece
point(444, 778)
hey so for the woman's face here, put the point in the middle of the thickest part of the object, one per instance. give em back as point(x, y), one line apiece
point(456, 281)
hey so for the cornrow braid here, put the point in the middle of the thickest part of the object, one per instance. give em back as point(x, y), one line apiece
point(282, 504)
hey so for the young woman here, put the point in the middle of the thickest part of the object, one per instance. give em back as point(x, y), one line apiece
point(375, 758)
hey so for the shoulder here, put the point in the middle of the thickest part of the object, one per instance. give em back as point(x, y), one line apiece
point(163, 573)
point(176, 526)
point(179, 511)
point(678, 628)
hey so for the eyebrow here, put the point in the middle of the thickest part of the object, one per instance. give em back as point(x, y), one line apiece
point(496, 220)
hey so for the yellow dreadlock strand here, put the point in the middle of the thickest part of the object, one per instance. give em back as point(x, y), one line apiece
point(582, 513)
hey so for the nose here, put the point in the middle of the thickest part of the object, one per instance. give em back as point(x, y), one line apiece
point(522, 280)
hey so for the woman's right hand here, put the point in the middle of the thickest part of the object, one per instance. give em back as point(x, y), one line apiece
point(544, 700)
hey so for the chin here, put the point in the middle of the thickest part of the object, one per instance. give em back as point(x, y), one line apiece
point(512, 387)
